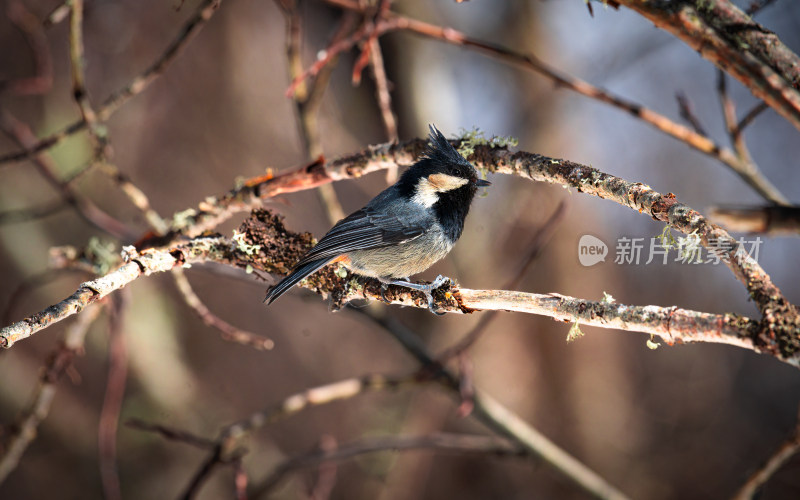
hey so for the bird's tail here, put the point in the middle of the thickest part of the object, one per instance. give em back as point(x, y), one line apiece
point(297, 275)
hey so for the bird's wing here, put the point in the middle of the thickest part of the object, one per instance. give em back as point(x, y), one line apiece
point(363, 230)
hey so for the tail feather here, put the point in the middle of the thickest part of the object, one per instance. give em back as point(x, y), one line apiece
point(297, 275)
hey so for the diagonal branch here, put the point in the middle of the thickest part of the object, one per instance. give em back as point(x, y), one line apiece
point(730, 39)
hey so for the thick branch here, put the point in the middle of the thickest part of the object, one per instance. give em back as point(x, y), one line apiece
point(727, 37)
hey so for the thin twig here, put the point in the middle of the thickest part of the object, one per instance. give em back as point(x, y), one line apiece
point(458, 444)
point(112, 400)
point(57, 364)
point(687, 113)
point(751, 115)
point(384, 96)
point(326, 475)
point(750, 173)
point(171, 434)
point(227, 331)
point(789, 448)
point(308, 97)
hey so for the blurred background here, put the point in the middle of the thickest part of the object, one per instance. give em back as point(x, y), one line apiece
point(690, 421)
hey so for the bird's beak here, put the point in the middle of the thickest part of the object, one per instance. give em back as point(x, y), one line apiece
point(483, 183)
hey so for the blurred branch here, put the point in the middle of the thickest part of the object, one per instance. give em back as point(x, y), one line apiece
point(42, 81)
point(97, 133)
point(308, 98)
point(134, 88)
point(752, 488)
point(497, 417)
point(112, 400)
point(226, 449)
point(18, 215)
point(459, 444)
point(22, 135)
point(772, 220)
point(687, 113)
point(730, 39)
point(59, 361)
point(749, 172)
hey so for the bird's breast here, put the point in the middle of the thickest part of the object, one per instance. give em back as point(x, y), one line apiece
point(403, 260)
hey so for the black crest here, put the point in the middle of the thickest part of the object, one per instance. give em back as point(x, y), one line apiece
point(440, 150)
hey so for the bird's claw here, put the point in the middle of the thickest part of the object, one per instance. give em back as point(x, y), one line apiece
point(384, 287)
point(439, 281)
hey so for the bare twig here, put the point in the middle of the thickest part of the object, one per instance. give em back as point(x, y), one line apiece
point(751, 115)
point(172, 434)
point(239, 479)
point(384, 97)
point(228, 332)
point(227, 449)
point(134, 88)
point(687, 113)
point(459, 444)
point(752, 487)
point(750, 172)
point(326, 476)
point(57, 364)
point(112, 401)
point(18, 215)
point(76, 55)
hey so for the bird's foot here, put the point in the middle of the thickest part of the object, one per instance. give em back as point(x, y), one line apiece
point(426, 289)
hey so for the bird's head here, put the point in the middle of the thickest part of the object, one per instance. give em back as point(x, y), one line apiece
point(442, 173)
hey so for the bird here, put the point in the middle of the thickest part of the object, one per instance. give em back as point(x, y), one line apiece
point(403, 230)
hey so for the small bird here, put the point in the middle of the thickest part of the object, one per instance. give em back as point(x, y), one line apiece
point(405, 229)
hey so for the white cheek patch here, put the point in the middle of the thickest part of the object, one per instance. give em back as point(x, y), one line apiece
point(426, 194)
point(428, 189)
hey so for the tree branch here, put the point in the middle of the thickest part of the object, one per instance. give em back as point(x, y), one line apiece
point(730, 39)
point(459, 444)
point(279, 249)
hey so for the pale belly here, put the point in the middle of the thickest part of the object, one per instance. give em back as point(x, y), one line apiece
point(401, 261)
